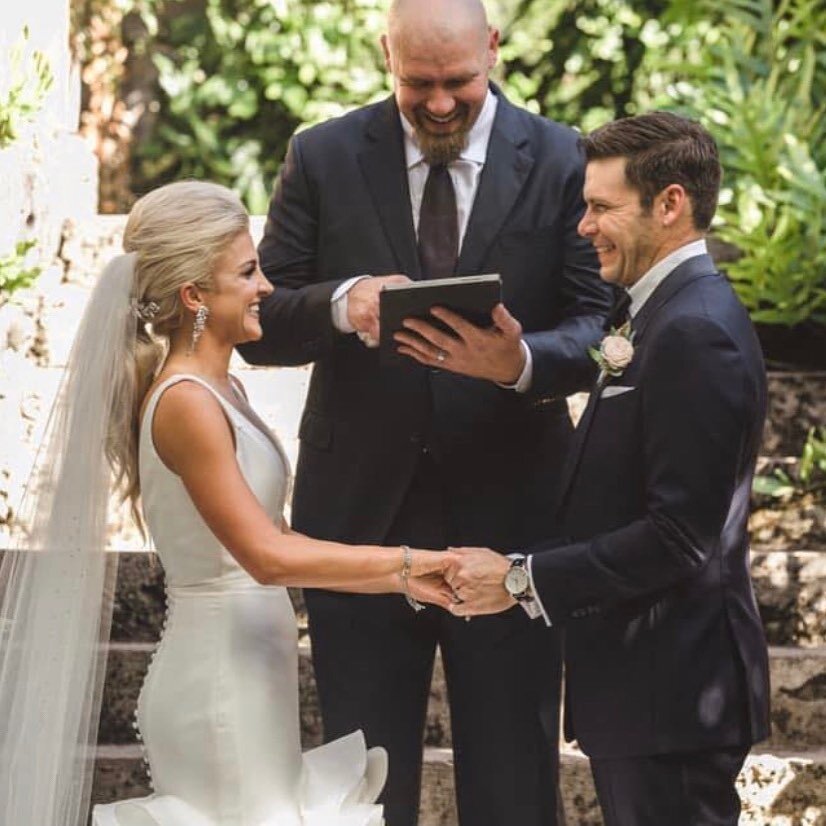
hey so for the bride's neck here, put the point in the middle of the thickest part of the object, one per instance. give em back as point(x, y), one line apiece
point(210, 359)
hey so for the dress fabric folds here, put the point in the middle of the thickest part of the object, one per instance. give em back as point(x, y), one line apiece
point(218, 713)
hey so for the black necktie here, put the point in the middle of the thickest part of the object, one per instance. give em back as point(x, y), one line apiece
point(618, 314)
point(438, 225)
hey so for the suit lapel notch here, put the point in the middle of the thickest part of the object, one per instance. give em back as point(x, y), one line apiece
point(382, 163)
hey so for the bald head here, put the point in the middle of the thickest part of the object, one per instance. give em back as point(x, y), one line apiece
point(440, 53)
point(420, 22)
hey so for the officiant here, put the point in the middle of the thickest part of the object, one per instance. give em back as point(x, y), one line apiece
point(445, 177)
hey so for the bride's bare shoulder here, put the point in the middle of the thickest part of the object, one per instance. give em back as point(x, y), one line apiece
point(188, 420)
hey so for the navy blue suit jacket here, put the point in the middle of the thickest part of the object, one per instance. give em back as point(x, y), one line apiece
point(663, 643)
point(342, 208)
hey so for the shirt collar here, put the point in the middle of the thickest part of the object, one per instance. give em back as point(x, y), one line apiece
point(642, 290)
point(478, 138)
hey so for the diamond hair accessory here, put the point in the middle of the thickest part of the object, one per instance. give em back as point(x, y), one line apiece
point(407, 564)
point(201, 316)
point(615, 352)
point(145, 311)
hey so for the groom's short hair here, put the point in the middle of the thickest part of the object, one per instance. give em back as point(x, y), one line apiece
point(661, 149)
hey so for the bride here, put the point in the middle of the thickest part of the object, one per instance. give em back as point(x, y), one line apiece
point(148, 402)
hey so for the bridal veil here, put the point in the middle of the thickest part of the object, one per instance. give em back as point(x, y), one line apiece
point(57, 582)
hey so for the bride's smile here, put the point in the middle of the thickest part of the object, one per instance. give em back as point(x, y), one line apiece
point(235, 297)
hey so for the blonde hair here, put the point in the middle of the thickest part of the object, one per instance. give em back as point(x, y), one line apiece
point(176, 234)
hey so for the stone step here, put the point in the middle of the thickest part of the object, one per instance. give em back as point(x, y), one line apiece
point(798, 681)
point(775, 788)
point(797, 402)
point(790, 587)
point(791, 592)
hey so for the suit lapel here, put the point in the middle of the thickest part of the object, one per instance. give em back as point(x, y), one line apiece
point(507, 166)
point(383, 165)
point(697, 267)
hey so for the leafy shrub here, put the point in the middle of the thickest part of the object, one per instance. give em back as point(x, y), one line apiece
point(238, 77)
point(754, 71)
point(15, 272)
point(809, 476)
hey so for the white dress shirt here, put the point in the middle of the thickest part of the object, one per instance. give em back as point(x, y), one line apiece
point(640, 291)
point(464, 173)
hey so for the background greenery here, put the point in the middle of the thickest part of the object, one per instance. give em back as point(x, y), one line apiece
point(226, 82)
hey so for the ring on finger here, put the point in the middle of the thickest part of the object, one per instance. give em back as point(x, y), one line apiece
point(441, 355)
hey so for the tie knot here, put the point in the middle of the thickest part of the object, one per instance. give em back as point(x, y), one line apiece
point(618, 314)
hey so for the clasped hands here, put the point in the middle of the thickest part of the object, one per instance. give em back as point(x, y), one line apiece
point(494, 353)
point(468, 582)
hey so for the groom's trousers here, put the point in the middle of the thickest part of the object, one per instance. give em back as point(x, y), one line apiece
point(679, 789)
point(373, 658)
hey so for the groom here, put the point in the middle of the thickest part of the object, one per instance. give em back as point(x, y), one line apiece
point(666, 664)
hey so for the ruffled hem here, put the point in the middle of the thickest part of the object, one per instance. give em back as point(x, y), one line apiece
point(340, 782)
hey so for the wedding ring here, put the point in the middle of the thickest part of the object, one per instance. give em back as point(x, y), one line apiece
point(441, 355)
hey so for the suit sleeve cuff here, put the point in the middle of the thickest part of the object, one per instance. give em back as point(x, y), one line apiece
point(523, 383)
point(338, 304)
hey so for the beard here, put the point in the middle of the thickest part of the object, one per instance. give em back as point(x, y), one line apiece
point(439, 148)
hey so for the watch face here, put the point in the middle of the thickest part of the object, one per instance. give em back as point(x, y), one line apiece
point(517, 580)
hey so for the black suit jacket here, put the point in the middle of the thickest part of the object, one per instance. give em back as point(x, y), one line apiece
point(664, 647)
point(342, 208)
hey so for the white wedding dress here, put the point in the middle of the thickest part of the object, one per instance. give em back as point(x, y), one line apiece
point(218, 712)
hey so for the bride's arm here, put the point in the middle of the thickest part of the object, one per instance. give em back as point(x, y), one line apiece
point(194, 439)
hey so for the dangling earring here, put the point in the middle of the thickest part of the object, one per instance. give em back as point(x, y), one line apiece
point(198, 326)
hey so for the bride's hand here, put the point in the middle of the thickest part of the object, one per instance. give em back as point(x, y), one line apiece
point(431, 588)
point(426, 582)
point(424, 563)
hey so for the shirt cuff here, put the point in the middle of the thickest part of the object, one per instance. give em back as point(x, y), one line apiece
point(537, 602)
point(523, 383)
point(338, 304)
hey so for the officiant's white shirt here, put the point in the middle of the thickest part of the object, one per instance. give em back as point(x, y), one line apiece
point(640, 292)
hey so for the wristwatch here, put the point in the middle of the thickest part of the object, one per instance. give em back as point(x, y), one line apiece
point(517, 580)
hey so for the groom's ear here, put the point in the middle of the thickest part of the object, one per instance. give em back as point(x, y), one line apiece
point(671, 205)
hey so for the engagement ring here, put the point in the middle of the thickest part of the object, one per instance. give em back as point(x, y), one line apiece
point(441, 355)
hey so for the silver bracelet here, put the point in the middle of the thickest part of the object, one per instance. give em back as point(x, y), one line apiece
point(407, 564)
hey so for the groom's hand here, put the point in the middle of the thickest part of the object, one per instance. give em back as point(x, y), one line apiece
point(477, 577)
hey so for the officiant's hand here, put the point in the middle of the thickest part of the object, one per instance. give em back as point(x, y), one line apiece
point(477, 577)
point(363, 306)
point(493, 353)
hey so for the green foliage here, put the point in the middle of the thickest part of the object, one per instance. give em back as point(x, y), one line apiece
point(238, 77)
point(576, 60)
point(809, 476)
point(29, 80)
point(754, 71)
point(15, 273)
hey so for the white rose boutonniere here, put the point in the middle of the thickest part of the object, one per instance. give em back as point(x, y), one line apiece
point(615, 353)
